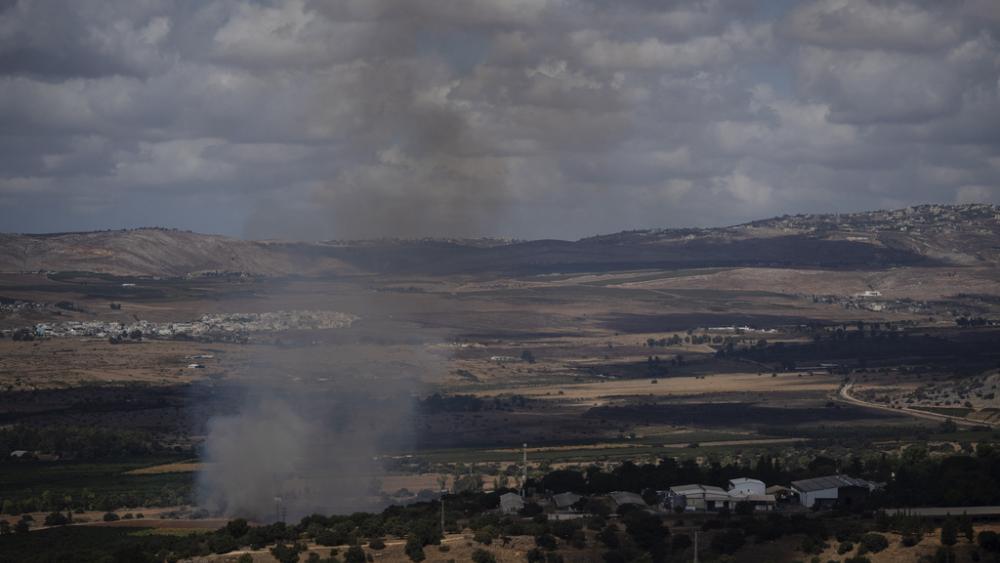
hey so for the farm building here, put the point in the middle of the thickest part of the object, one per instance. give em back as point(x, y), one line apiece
point(511, 503)
point(832, 490)
point(565, 501)
point(698, 497)
point(623, 498)
point(744, 486)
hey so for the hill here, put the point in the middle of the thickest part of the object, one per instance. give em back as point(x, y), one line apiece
point(925, 235)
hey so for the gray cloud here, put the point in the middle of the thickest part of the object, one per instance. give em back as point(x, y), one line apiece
point(363, 118)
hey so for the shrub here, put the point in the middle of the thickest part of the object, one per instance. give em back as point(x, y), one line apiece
point(56, 519)
point(944, 555)
point(989, 541)
point(857, 559)
point(110, 517)
point(545, 541)
point(872, 542)
point(609, 537)
point(354, 555)
point(483, 556)
point(729, 541)
point(845, 547)
point(376, 543)
point(681, 542)
point(485, 535)
point(812, 545)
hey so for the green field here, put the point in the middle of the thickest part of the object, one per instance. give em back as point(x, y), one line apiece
point(22, 480)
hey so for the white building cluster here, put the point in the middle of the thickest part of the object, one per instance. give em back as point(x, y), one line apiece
point(214, 326)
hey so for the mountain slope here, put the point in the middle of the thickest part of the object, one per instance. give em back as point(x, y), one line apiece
point(924, 235)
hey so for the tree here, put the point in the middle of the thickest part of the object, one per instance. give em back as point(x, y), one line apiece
point(237, 528)
point(287, 554)
point(414, 548)
point(949, 532)
point(56, 519)
point(354, 555)
point(965, 526)
point(483, 556)
point(5, 529)
point(646, 530)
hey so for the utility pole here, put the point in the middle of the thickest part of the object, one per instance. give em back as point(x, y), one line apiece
point(696, 546)
point(442, 516)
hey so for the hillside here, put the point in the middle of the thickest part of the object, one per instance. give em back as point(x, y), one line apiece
point(155, 252)
point(925, 235)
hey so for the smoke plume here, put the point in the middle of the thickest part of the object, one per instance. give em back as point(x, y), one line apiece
point(294, 450)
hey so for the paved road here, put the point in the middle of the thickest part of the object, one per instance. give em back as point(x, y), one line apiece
point(845, 395)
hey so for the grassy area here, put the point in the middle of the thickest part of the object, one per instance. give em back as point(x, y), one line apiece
point(26, 479)
point(181, 532)
point(646, 446)
point(71, 543)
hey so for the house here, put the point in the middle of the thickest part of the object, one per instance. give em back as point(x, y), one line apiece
point(511, 503)
point(744, 486)
point(624, 498)
point(832, 490)
point(699, 497)
point(565, 501)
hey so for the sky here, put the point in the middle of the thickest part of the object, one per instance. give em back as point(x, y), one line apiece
point(303, 119)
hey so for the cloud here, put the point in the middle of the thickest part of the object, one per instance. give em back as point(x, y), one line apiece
point(529, 118)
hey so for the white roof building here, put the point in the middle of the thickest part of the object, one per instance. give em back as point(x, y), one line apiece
point(744, 486)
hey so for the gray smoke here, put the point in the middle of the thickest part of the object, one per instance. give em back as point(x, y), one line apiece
point(297, 450)
point(413, 157)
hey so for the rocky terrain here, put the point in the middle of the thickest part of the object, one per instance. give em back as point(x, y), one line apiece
point(929, 235)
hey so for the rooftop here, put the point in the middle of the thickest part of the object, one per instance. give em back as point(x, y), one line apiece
point(622, 498)
point(829, 482)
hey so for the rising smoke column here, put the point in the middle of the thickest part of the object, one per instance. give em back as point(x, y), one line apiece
point(420, 159)
point(315, 447)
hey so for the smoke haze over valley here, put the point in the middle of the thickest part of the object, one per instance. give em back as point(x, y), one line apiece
point(499, 280)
